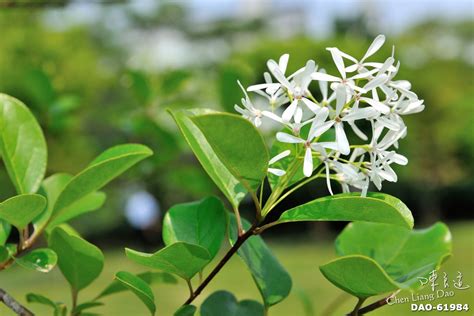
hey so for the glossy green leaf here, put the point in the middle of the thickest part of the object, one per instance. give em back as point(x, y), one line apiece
point(139, 287)
point(5, 229)
point(42, 260)
point(107, 166)
point(51, 188)
point(84, 306)
point(186, 310)
point(88, 203)
point(148, 277)
point(20, 210)
point(182, 259)
point(22, 145)
point(379, 258)
point(202, 223)
point(224, 303)
point(238, 144)
point(79, 261)
point(40, 299)
point(376, 207)
point(271, 278)
point(59, 308)
point(215, 168)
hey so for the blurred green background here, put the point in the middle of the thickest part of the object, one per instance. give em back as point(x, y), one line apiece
point(99, 74)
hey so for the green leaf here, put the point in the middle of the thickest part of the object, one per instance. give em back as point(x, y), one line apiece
point(224, 303)
point(5, 229)
point(88, 203)
point(379, 258)
point(139, 287)
point(186, 310)
point(22, 145)
point(272, 280)
point(40, 299)
point(79, 261)
point(215, 168)
point(59, 308)
point(376, 207)
point(87, 305)
point(148, 277)
point(238, 144)
point(201, 223)
point(51, 188)
point(42, 260)
point(20, 210)
point(107, 166)
point(182, 259)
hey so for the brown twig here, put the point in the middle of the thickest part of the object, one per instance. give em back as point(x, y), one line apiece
point(240, 240)
point(380, 303)
point(13, 304)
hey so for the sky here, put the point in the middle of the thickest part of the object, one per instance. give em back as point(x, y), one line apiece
point(389, 16)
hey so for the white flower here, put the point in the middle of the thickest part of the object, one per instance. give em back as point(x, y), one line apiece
point(318, 127)
point(249, 111)
point(363, 91)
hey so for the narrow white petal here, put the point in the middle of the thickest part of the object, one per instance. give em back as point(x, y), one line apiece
point(388, 123)
point(272, 116)
point(399, 159)
point(374, 83)
point(276, 72)
point(357, 131)
point(359, 114)
point(341, 96)
point(336, 56)
point(324, 77)
point(328, 180)
point(287, 138)
point(375, 46)
point(311, 105)
point(318, 130)
point(341, 139)
point(262, 86)
point(323, 85)
point(277, 172)
point(281, 155)
point(379, 106)
point(298, 115)
point(329, 145)
point(290, 111)
point(283, 62)
point(308, 163)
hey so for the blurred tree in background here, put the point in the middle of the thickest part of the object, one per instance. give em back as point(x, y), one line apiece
point(112, 79)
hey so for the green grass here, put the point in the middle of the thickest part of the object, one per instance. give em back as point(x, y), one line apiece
point(301, 258)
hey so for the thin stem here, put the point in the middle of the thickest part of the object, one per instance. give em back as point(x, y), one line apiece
point(220, 265)
point(380, 303)
point(74, 301)
point(240, 230)
point(190, 287)
point(355, 312)
point(258, 209)
point(13, 304)
point(261, 194)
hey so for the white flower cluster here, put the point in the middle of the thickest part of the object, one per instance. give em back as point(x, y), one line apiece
point(363, 91)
